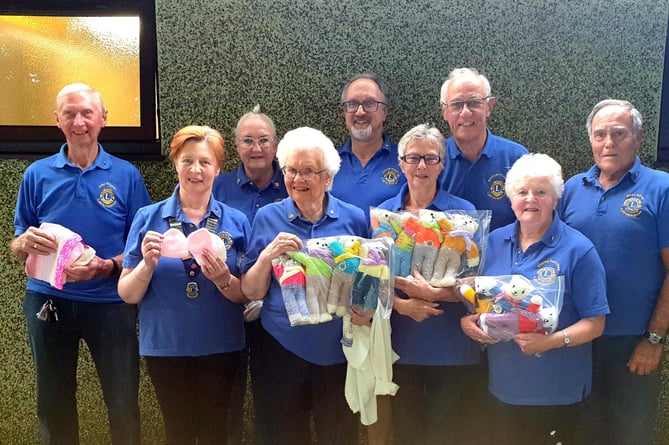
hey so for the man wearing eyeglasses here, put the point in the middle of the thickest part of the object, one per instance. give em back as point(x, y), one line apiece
point(368, 158)
point(477, 160)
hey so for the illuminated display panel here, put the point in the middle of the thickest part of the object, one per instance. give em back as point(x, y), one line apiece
point(110, 46)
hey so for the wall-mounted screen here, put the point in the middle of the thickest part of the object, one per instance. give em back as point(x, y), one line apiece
point(46, 45)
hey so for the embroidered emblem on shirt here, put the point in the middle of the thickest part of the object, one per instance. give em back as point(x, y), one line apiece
point(391, 176)
point(496, 190)
point(547, 272)
point(633, 205)
point(107, 197)
point(227, 239)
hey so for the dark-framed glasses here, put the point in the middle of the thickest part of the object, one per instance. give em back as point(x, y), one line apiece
point(415, 159)
point(263, 141)
point(369, 106)
point(307, 174)
point(475, 103)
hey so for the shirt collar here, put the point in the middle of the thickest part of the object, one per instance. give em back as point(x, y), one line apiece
point(102, 161)
point(592, 175)
point(172, 208)
point(550, 238)
point(292, 214)
point(385, 147)
point(275, 183)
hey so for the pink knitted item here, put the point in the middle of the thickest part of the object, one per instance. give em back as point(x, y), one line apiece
point(51, 267)
point(174, 244)
point(202, 240)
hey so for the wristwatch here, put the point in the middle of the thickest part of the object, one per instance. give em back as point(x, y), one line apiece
point(653, 338)
point(567, 340)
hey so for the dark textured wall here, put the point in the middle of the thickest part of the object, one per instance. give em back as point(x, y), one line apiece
point(549, 62)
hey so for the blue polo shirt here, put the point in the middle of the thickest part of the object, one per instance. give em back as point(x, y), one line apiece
point(365, 187)
point(559, 376)
point(482, 182)
point(236, 190)
point(98, 203)
point(438, 340)
point(170, 323)
point(629, 226)
point(319, 343)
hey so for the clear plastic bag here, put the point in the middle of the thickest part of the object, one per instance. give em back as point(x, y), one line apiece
point(511, 304)
point(333, 274)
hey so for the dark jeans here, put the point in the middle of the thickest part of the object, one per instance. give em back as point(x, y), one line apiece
point(622, 407)
point(193, 394)
point(109, 330)
point(289, 390)
point(439, 404)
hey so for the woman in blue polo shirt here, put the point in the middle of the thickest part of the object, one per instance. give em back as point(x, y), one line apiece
point(540, 381)
point(190, 327)
point(303, 367)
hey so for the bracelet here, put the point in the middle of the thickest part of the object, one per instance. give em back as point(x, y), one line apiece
point(225, 286)
point(115, 269)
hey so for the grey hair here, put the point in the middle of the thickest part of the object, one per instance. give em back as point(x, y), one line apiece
point(257, 111)
point(534, 165)
point(423, 131)
point(377, 80)
point(458, 72)
point(637, 120)
point(307, 138)
point(76, 88)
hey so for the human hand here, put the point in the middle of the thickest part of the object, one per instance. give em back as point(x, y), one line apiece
point(215, 269)
point(151, 248)
point(469, 325)
point(532, 343)
point(360, 318)
point(282, 243)
point(92, 269)
point(645, 358)
point(416, 308)
point(36, 242)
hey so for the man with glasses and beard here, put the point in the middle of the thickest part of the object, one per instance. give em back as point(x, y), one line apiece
point(368, 158)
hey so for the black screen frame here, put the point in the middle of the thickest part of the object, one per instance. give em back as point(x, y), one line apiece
point(135, 143)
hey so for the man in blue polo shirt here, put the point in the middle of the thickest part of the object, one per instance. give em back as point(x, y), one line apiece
point(477, 160)
point(623, 207)
point(96, 195)
point(369, 172)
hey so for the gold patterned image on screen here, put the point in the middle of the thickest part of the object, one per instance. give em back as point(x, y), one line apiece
point(41, 54)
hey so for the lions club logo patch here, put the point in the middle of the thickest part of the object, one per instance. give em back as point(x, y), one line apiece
point(227, 239)
point(632, 205)
point(496, 187)
point(107, 197)
point(391, 176)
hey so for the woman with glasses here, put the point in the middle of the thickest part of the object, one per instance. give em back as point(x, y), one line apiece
point(434, 370)
point(303, 367)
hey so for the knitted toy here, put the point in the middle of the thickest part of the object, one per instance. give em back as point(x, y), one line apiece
point(346, 261)
point(380, 222)
point(458, 239)
point(318, 275)
point(292, 279)
point(318, 247)
point(372, 273)
point(513, 295)
point(506, 325)
point(403, 247)
point(427, 237)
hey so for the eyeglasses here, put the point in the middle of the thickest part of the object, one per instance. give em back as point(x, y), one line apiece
point(415, 159)
point(263, 142)
point(457, 106)
point(307, 174)
point(368, 106)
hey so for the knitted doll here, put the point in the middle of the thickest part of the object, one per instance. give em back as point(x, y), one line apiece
point(402, 250)
point(318, 275)
point(532, 319)
point(292, 279)
point(380, 222)
point(346, 259)
point(427, 237)
point(369, 281)
point(458, 239)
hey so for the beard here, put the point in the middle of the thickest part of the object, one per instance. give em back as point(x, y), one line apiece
point(361, 134)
